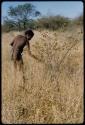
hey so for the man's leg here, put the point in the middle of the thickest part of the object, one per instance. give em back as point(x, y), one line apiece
point(20, 62)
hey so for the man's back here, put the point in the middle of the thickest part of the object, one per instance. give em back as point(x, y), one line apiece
point(19, 42)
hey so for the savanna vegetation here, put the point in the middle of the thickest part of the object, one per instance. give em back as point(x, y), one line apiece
point(52, 91)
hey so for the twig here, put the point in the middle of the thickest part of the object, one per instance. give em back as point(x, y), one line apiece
point(62, 60)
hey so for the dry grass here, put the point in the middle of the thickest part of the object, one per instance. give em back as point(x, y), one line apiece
point(53, 88)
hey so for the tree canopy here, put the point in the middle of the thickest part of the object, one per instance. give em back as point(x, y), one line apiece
point(21, 15)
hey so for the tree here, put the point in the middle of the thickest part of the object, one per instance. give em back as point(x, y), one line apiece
point(9, 24)
point(22, 13)
point(37, 13)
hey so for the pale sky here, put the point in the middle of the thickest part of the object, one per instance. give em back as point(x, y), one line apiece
point(69, 9)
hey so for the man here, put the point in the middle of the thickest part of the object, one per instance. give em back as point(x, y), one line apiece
point(18, 44)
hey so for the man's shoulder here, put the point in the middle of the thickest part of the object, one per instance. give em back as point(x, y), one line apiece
point(20, 37)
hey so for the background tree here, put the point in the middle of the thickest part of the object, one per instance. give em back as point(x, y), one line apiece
point(9, 24)
point(22, 14)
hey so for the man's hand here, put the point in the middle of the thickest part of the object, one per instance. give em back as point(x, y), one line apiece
point(29, 53)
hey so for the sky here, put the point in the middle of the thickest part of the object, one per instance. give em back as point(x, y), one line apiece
point(66, 8)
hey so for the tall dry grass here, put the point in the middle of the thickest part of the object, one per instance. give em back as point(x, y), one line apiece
point(53, 87)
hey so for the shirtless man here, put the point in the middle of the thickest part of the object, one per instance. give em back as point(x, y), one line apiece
point(18, 44)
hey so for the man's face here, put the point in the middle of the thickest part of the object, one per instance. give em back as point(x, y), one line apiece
point(29, 37)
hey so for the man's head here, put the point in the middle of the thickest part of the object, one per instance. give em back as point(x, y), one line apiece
point(29, 34)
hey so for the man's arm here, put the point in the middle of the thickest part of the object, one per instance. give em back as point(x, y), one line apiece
point(28, 46)
point(29, 52)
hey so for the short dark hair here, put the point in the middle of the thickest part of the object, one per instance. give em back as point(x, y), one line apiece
point(29, 32)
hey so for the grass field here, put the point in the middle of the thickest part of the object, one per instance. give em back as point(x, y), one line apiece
point(53, 87)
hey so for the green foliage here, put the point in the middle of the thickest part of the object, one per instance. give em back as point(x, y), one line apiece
point(37, 13)
point(20, 15)
point(21, 11)
point(9, 25)
point(53, 22)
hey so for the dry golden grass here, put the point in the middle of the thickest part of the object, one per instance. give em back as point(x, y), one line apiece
point(53, 88)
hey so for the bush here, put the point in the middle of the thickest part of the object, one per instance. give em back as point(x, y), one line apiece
point(78, 20)
point(52, 22)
